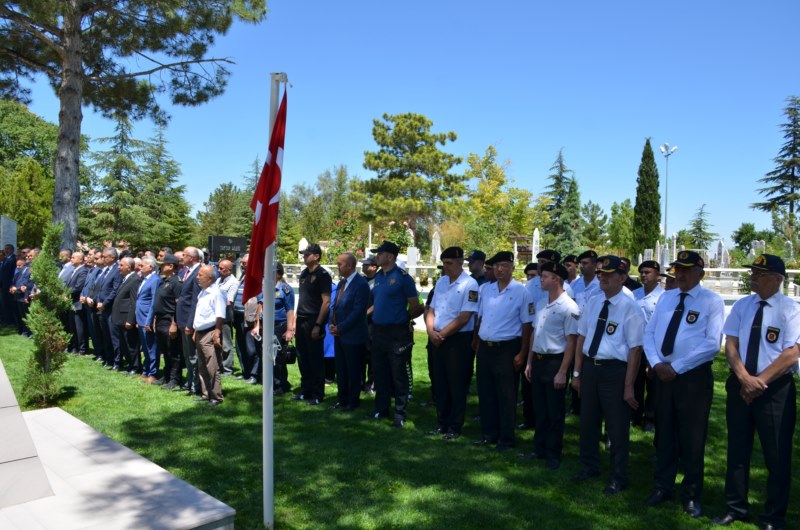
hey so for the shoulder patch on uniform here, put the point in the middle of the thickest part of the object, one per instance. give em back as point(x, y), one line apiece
point(531, 309)
point(773, 334)
point(612, 327)
point(287, 289)
point(473, 296)
point(692, 317)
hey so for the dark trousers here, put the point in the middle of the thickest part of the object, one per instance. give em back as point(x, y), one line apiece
point(772, 416)
point(110, 339)
point(496, 394)
point(430, 348)
point(169, 348)
point(311, 354)
point(227, 343)
point(22, 313)
point(128, 352)
point(77, 322)
point(368, 379)
point(682, 408)
point(349, 365)
point(549, 405)
point(602, 389)
point(189, 349)
point(280, 374)
point(245, 348)
point(528, 410)
point(390, 352)
point(643, 393)
point(451, 362)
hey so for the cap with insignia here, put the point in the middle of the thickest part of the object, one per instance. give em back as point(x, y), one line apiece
point(555, 268)
point(689, 258)
point(552, 255)
point(369, 261)
point(312, 248)
point(769, 263)
point(170, 259)
point(587, 254)
point(669, 273)
point(649, 264)
point(611, 264)
point(476, 255)
point(452, 253)
point(387, 246)
point(502, 256)
point(570, 258)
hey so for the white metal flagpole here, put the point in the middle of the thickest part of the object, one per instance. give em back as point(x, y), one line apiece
point(268, 348)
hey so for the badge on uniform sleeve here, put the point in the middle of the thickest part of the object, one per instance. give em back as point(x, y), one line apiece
point(692, 317)
point(473, 296)
point(530, 308)
point(773, 334)
point(287, 289)
point(611, 328)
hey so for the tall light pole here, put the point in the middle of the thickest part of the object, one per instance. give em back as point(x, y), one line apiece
point(666, 150)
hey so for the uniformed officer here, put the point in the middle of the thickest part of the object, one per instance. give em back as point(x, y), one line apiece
point(504, 329)
point(555, 329)
point(284, 329)
point(312, 313)
point(477, 266)
point(610, 339)
point(395, 301)
point(450, 323)
point(646, 296)
point(531, 271)
point(534, 287)
point(587, 284)
point(631, 283)
point(763, 331)
point(570, 263)
point(681, 340)
point(669, 279)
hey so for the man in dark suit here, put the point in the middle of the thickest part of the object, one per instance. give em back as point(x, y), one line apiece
point(184, 315)
point(105, 291)
point(145, 315)
point(21, 278)
point(76, 316)
point(123, 317)
point(7, 269)
point(348, 325)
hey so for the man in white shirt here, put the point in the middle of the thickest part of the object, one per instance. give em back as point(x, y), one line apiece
point(646, 296)
point(228, 284)
point(681, 340)
point(209, 318)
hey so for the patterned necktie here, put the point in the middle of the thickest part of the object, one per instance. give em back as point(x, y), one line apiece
point(668, 345)
point(599, 329)
point(754, 342)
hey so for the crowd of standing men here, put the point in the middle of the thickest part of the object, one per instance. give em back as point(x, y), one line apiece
point(630, 352)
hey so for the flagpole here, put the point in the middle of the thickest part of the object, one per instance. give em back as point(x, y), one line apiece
point(267, 353)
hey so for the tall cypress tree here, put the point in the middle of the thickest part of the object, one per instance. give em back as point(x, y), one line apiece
point(647, 210)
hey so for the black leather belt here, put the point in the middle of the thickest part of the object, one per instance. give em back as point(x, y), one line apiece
point(607, 362)
point(496, 343)
point(548, 356)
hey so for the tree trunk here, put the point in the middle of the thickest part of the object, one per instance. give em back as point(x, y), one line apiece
point(67, 191)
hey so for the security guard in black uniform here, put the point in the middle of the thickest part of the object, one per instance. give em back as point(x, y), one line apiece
point(763, 331)
point(312, 313)
point(395, 301)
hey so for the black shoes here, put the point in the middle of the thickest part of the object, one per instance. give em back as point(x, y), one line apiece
point(437, 431)
point(214, 403)
point(484, 442)
point(692, 509)
point(585, 475)
point(658, 497)
point(314, 402)
point(727, 519)
point(298, 397)
point(613, 488)
point(398, 423)
point(553, 464)
point(531, 456)
point(451, 436)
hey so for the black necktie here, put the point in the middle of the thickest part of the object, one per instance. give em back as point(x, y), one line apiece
point(754, 342)
point(672, 330)
point(599, 329)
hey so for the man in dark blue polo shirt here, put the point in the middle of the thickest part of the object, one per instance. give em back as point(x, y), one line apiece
point(395, 301)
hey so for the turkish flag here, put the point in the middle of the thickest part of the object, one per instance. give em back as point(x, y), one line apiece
point(265, 205)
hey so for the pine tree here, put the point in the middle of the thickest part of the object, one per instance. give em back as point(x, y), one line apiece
point(783, 182)
point(700, 229)
point(620, 228)
point(647, 211)
point(594, 227)
point(564, 230)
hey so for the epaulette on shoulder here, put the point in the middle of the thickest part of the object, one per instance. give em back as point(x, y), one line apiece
point(403, 271)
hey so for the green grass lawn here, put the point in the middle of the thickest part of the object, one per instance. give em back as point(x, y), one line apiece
point(336, 470)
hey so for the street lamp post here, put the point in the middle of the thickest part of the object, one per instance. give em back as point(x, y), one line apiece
point(666, 150)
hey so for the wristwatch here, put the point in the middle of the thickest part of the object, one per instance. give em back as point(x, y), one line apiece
point(576, 374)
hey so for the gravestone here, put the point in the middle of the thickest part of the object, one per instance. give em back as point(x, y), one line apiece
point(535, 246)
point(8, 232)
point(436, 247)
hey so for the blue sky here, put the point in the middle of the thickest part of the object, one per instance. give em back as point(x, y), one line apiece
point(529, 77)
